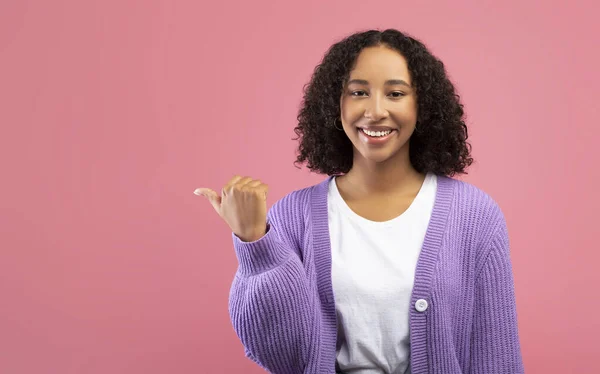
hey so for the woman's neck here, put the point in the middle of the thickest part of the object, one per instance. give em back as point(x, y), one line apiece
point(388, 178)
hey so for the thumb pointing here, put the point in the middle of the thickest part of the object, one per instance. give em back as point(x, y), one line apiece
point(212, 196)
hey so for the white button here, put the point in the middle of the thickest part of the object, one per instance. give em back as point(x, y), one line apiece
point(421, 305)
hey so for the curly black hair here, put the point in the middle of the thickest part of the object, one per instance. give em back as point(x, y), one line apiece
point(439, 143)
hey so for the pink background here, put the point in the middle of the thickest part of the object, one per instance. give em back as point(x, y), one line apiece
point(113, 112)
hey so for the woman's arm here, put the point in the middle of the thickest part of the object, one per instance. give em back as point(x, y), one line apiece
point(271, 308)
point(495, 346)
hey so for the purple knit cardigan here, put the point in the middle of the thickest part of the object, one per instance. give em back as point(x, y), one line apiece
point(282, 306)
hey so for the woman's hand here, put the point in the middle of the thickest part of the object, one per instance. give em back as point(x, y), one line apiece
point(242, 205)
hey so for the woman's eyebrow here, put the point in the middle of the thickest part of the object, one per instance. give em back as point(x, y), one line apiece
point(391, 82)
point(396, 82)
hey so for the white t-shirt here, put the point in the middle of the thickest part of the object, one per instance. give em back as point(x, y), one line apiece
point(373, 270)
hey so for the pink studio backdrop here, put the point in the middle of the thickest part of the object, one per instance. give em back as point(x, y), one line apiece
point(113, 112)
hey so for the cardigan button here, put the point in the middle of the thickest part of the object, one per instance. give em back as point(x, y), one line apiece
point(421, 305)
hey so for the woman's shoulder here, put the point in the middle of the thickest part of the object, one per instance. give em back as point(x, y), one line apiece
point(291, 213)
point(300, 199)
point(469, 197)
point(475, 208)
point(296, 201)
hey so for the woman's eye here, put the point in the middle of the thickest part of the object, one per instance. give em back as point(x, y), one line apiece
point(395, 94)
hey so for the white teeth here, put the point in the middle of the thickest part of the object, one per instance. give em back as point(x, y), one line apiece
point(377, 133)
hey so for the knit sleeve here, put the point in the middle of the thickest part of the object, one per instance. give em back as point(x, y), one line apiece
point(271, 308)
point(495, 346)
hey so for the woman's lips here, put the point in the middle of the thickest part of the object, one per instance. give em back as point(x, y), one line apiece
point(373, 140)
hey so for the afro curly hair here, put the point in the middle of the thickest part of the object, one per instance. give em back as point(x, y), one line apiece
point(439, 143)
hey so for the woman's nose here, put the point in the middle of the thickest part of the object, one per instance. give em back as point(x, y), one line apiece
point(375, 110)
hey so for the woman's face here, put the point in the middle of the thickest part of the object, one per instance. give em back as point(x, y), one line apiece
point(379, 96)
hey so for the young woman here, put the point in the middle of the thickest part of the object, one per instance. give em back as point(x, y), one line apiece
point(389, 265)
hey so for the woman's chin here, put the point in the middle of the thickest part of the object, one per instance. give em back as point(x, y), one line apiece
point(377, 157)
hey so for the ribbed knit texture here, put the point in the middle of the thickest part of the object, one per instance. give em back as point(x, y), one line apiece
point(282, 305)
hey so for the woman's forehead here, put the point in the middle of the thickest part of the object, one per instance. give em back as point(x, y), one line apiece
point(380, 63)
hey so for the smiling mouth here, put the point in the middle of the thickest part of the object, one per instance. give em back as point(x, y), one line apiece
point(376, 134)
point(377, 138)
